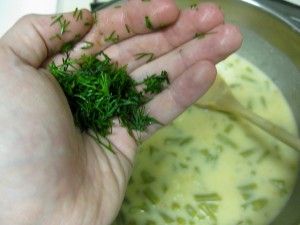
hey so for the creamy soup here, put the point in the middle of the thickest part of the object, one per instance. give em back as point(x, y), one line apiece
point(210, 168)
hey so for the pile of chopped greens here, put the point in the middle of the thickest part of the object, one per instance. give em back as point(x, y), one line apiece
point(98, 90)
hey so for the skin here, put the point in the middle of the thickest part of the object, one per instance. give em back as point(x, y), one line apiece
point(51, 173)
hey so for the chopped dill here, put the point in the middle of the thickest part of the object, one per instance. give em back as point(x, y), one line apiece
point(203, 35)
point(56, 19)
point(79, 16)
point(64, 26)
point(148, 23)
point(95, 18)
point(87, 24)
point(145, 54)
point(99, 90)
point(199, 36)
point(88, 45)
point(127, 28)
point(75, 12)
point(113, 37)
point(150, 26)
point(66, 47)
point(155, 83)
point(55, 36)
point(194, 6)
point(69, 45)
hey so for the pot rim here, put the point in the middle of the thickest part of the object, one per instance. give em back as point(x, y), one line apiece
point(281, 12)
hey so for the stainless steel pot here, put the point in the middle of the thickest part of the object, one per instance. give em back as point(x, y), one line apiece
point(271, 33)
point(271, 42)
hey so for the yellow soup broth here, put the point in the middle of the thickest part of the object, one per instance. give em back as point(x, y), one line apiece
point(210, 168)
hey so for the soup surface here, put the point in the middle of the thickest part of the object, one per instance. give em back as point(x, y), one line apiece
point(210, 168)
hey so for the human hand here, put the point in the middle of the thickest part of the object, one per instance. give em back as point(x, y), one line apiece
point(51, 173)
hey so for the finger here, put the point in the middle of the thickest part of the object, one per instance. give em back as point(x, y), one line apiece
point(214, 47)
point(143, 48)
point(190, 80)
point(34, 38)
point(167, 105)
point(182, 93)
point(115, 24)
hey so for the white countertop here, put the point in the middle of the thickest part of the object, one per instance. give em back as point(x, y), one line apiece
point(12, 10)
point(296, 2)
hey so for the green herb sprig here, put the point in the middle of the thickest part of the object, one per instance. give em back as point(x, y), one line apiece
point(99, 90)
point(193, 6)
point(113, 37)
point(77, 14)
point(127, 28)
point(87, 45)
point(141, 55)
point(63, 23)
point(148, 23)
point(203, 35)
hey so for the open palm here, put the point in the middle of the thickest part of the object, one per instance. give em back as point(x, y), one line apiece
point(50, 172)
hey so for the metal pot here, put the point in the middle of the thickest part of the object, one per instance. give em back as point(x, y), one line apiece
point(271, 42)
point(271, 33)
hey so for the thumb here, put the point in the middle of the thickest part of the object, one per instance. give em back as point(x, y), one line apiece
point(34, 38)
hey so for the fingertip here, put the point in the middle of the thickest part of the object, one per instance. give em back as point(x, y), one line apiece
point(211, 12)
point(209, 75)
point(207, 15)
point(231, 39)
point(169, 12)
point(237, 34)
point(194, 82)
point(197, 19)
point(153, 15)
point(184, 91)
